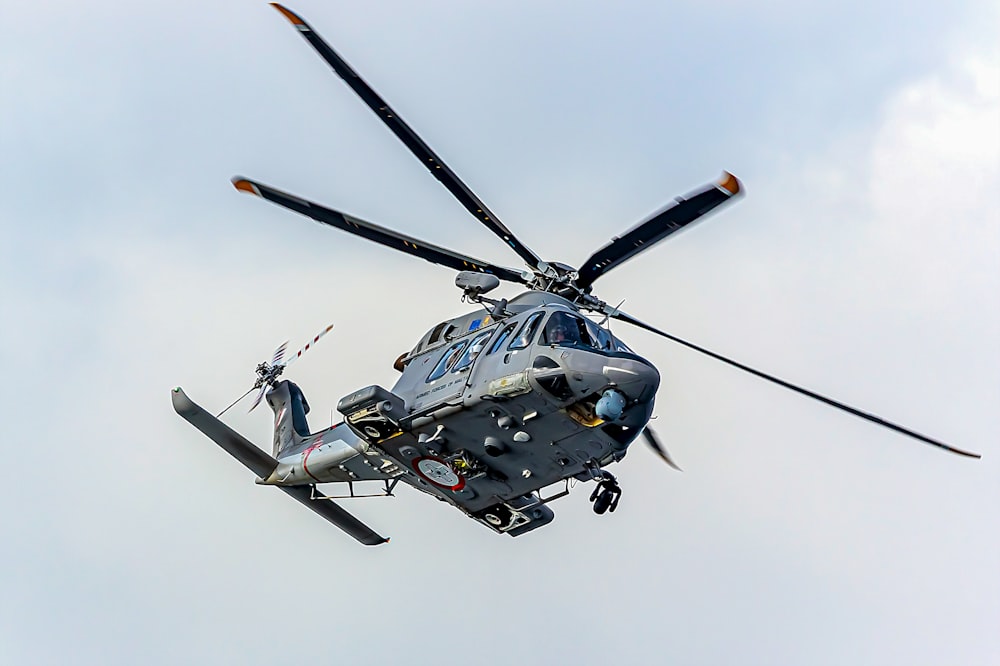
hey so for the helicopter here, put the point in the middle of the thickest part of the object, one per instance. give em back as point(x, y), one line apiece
point(497, 412)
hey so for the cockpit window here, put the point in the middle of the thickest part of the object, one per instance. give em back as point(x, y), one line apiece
point(448, 360)
point(472, 352)
point(502, 338)
point(566, 329)
point(601, 337)
point(621, 346)
point(527, 332)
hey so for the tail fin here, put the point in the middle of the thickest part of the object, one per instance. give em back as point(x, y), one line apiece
point(290, 409)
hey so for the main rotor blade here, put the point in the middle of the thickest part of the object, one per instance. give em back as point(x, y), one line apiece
point(663, 223)
point(654, 443)
point(798, 389)
point(420, 150)
point(380, 235)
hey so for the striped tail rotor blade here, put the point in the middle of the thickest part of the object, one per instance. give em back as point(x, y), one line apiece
point(308, 345)
point(279, 353)
point(257, 398)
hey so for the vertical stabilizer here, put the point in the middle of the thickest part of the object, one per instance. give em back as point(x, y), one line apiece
point(290, 409)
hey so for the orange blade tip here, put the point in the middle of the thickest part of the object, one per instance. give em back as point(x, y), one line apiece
point(244, 185)
point(730, 183)
point(289, 14)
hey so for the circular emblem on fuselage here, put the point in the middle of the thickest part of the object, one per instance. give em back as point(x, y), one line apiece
point(439, 473)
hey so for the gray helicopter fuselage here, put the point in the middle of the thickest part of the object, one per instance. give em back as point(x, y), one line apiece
point(486, 413)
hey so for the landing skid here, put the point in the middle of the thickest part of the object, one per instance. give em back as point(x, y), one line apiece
point(389, 486)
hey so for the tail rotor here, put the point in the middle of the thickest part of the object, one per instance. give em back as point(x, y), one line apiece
point(268, 373)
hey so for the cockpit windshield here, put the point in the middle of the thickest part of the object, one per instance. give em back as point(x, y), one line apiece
point(621, 346)
point(602, 337)
point(606, 339)
point(564, 328)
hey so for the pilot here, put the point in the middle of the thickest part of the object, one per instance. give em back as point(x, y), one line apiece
point(557, 334)
point(453, 358)
point(560, 330)
point(475, 351)
point(469, 358)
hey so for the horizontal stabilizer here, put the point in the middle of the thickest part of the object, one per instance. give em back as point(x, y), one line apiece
point(333, 512)
point(261, 464)
point(234, 443)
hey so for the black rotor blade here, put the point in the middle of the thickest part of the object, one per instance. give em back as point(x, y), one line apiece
point(676, 216)
point(416, 145)
point(380, 235)
point(798, 389)
point(654, 443)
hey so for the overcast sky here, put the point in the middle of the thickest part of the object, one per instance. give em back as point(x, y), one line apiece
point(864, 262)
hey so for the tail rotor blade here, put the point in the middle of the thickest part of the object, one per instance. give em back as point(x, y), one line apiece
point(654, 443)
point(267, 374)
point(257, 398)
point(309, 344)
point(279, 353)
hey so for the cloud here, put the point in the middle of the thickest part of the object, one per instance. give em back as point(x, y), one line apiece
point(935, 172)
point(861, 262)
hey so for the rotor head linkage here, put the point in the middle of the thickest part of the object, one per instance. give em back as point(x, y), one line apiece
point(268, 373)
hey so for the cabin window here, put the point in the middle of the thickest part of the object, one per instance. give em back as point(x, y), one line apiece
point(472, 351)
point(566, 329)
point(437, 334)
point(502, 338)
point(448, 360)
point(527, 332)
